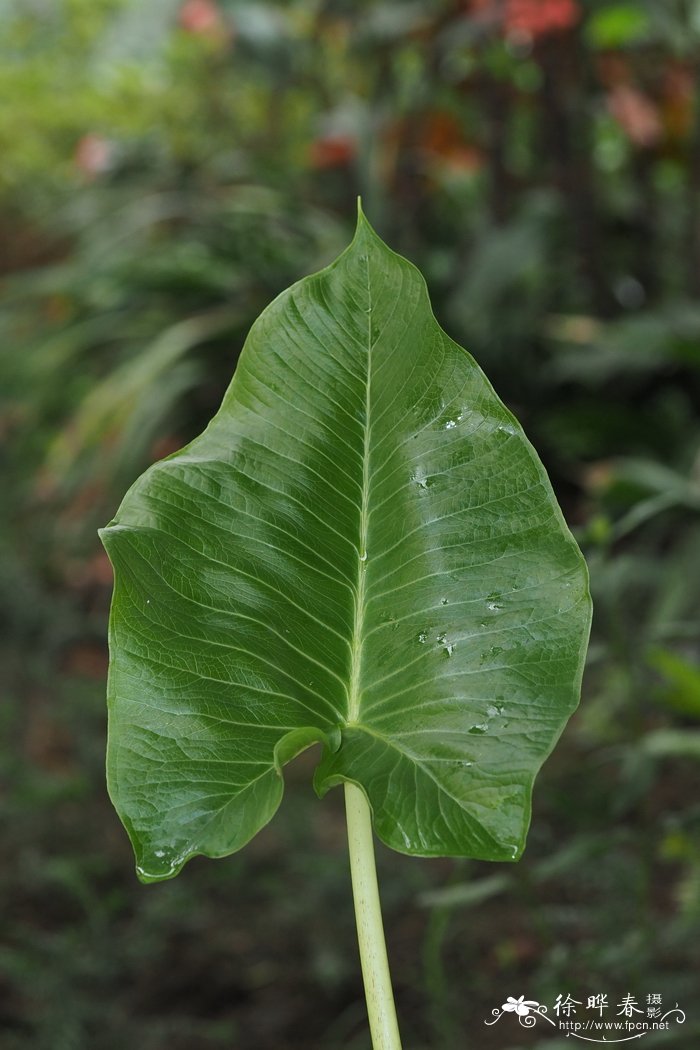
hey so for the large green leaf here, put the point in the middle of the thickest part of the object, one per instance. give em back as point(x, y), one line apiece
point(362, 549)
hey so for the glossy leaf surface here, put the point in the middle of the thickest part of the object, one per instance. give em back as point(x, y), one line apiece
point(362, 549)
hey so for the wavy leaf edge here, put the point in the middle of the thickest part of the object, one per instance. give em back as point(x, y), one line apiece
point(299, 738)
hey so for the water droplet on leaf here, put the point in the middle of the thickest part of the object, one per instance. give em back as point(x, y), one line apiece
point(507, 428)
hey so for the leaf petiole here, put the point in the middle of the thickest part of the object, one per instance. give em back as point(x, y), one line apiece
point(368, 917)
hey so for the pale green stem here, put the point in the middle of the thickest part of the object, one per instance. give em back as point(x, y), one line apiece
point(370, 930)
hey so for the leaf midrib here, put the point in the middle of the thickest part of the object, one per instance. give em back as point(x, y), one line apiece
point(362, 553)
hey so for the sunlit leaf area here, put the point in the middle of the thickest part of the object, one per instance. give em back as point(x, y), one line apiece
point(167, 169)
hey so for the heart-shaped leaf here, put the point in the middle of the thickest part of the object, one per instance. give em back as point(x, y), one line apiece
point(362, 550)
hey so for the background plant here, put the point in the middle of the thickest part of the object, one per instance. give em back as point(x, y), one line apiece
point(165, 174)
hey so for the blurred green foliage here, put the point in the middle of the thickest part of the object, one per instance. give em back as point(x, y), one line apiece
point(167, 168)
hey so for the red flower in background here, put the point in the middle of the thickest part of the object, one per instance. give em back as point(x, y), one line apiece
point(202, 18)
point(539, 17)
point(528, 18)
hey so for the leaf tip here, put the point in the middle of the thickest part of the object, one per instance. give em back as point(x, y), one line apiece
point(364, 229)
point(363, 224)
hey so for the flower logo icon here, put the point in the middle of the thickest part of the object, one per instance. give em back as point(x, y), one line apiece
point(520, 1006)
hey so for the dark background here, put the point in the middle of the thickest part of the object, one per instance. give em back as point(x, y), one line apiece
point(166, 169)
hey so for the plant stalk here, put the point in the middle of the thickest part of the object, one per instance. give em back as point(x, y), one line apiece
point(368, 917)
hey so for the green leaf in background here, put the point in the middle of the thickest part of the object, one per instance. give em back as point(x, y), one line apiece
point(681, 689)
point(361, 550)
point(619, 25)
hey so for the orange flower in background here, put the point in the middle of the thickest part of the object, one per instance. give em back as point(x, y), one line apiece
point(442, 140)
point(332, 151)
